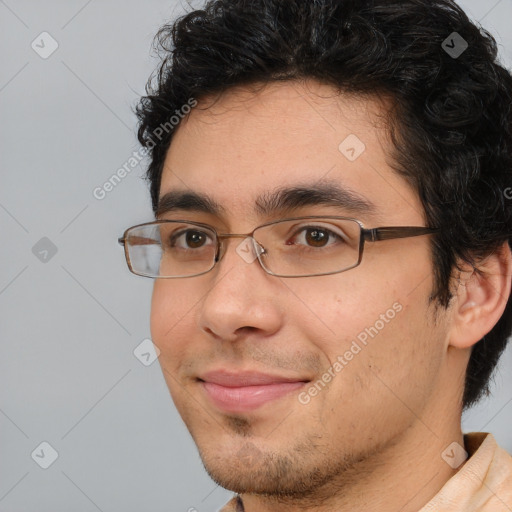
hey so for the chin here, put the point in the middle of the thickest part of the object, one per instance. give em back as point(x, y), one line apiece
point(297, 473)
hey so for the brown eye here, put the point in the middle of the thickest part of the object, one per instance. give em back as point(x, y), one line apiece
point(189, 239)
point(195, 238)
point(317, 237)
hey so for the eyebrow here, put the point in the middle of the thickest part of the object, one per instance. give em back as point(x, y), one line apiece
point(278, 201)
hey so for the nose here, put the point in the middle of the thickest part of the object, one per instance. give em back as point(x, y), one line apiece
point(241, 296)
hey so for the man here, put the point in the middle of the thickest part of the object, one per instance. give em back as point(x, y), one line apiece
point(321, 364)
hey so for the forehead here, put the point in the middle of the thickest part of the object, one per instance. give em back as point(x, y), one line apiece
point(248, 143)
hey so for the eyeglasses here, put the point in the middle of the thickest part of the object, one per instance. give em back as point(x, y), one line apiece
point(294, 247)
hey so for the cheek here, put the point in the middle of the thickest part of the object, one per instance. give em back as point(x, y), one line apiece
point(341, 309)
point(369, 326)
point(172, 308)
point(171, 314)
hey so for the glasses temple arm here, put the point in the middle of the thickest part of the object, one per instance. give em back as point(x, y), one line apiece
point(389, 233)
point(136, 240)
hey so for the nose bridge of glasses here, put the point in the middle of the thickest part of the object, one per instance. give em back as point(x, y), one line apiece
point(223, 247)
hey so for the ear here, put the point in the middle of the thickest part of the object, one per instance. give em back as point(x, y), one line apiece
point(481, 298)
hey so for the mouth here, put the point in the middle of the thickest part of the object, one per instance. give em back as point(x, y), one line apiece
point(243, 392)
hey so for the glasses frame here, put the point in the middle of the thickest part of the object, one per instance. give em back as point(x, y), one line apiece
point(367, 235)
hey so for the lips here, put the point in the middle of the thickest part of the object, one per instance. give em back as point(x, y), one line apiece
point(242, 392)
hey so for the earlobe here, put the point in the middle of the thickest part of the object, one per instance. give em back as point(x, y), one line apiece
point(481, 298)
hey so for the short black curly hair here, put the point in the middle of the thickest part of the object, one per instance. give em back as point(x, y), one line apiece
point(451, 124)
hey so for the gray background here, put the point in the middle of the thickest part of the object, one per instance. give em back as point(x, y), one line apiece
point(70, 323)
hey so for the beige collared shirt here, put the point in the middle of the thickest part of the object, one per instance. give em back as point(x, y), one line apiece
point(482, 484)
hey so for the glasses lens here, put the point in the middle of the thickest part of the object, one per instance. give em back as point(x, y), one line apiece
point(171, 249)
point(302, 247)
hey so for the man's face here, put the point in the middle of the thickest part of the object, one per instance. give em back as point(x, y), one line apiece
point(238, 321)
